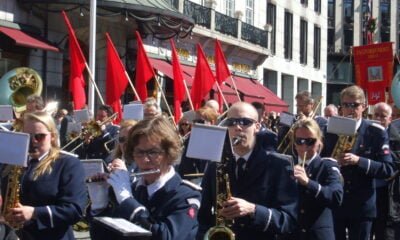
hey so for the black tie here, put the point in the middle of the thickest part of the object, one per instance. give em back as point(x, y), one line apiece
point(240, 168)
point(143, 195)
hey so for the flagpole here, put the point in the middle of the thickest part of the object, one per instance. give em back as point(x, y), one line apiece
point(92, 55)
point(188, 94)
point(222, 95)
point(91, 77)
point(133, 88)
point(234, 86)
point(165, 99)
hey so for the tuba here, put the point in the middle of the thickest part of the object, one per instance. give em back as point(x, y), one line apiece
point(17, 84)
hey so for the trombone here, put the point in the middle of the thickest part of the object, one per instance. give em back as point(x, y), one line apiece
point(93, 128)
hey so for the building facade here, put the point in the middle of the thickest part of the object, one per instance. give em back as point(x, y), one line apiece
point(347, 24)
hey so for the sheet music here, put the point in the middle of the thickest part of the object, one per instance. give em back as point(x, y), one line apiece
point(123, 226)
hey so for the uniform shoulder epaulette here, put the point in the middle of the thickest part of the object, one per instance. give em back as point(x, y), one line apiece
point(377, 125)
point(329, 159)
point(191, 185)
point(68, 153)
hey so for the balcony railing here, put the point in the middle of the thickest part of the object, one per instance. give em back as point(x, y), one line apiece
point(254, 35)
point(226, 25)
point(200, 14)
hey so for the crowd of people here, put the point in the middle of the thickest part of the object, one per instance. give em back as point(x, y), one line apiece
point(301, 193)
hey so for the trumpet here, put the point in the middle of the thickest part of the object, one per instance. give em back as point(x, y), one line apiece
point(136, 175)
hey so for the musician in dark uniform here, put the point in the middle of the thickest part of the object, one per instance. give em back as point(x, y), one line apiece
point(53, 193)
point(369, 159)
point(161, 202)
point(268, 137)
point(320, 187)
point(264, 202)
point(93, 146)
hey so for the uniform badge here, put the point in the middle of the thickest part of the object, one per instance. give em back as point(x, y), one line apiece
point(191, 213)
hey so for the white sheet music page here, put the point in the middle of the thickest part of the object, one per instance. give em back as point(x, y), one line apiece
point(123, 225)
point(14, 148)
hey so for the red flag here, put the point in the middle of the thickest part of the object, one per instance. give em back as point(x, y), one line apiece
point(116, 80)
point(179, 88)
point(203, 79)
point(221, 68)
point(77, 65)
point(144, 70)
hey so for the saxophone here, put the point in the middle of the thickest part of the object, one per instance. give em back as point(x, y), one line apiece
point(221, 230)
point(12, 195)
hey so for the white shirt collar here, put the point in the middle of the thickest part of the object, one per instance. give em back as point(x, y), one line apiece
point(358, 123)
point(159, 183)
point(308, 162)
point(245, 157)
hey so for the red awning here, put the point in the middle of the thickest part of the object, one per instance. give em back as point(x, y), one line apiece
point(25, 40)
point(253, 91)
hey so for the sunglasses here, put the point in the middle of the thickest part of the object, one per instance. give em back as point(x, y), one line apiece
point(199, 121)
point(307, 141)
point(184, 124)
point(230, 122)
point(122, 139)
point(39, 137)
point(351, 105)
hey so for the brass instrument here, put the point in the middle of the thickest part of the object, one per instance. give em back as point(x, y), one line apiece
point(12, 196)
point(17, 84)
point(92, 128)
point(344, 144)
point(287, 140)
point(221, 230)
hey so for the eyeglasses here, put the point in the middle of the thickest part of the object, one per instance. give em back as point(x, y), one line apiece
point(199, 121)
point(351, 105)
point(150, 154)
point(122, 139)
point(230, 122)
point(184, 124)
point(307, 141)
point(39, 137)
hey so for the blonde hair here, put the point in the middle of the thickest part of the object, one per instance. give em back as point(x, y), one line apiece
point(353, 92)
point(312, 126)
point(45, 165)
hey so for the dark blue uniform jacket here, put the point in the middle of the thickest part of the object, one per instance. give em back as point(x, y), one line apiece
point(59, 199)
point(372, 146)
point(269, 183)
point(323, 192)
point(171, 213)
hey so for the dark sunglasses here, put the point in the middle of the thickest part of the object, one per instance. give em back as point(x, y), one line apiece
point(239, 121)
point(351, 105)
point(307, 141)
point(39, 137)
point(184, 124)
point(199, 121)
point(122, 139)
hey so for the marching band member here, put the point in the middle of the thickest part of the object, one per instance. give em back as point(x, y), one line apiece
point(264, 194)
point(161, 202)
point(93, 147)
point(53, 193)
point(330, 110)
point(320, 187)
point(268, 137)
point(151, 108)
point(369, 159)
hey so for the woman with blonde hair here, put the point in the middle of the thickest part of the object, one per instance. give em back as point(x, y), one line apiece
point(53, 192)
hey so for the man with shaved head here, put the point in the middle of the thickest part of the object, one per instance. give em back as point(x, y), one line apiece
point(264, 193)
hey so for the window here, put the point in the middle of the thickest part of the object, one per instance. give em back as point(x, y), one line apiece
point(271, 80)
point(250, 12)
point(317, 6)
point(230, 7)
point(288, 36)
point(317, 47)
point(385, 20)
point(303, 41)
point(271, 19)
point(304, 2)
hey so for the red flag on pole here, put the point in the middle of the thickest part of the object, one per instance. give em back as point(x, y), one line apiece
point(179, 88)
point(144, 70)
point(221, 68)
point(77, 65)
point(203, 79)
point(117, 81)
